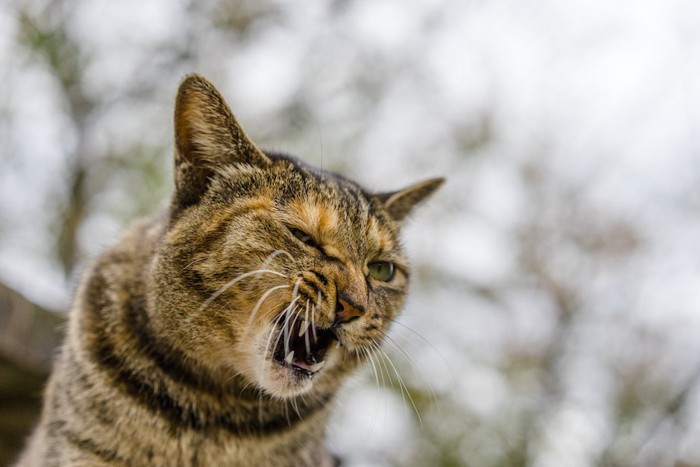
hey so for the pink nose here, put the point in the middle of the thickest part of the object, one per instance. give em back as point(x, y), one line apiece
point(346, 311)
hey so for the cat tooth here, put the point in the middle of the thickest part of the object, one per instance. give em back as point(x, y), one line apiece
point(314, 368)
point(303, 328)
point(289, 357)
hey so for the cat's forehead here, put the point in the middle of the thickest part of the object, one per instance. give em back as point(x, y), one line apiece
point(343, 221)
point(332, 207)
point(299, 180)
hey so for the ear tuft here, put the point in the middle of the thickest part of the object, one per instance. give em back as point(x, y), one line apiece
point(207, 137)
point(400, 203)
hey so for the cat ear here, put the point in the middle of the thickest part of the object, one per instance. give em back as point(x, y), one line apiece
point(400, 203)
point(207, 137)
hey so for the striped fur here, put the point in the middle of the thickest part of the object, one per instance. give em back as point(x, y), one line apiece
point(172, 354)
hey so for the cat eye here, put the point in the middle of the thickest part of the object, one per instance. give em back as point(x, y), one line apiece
point(303, 237)
point(382, 270)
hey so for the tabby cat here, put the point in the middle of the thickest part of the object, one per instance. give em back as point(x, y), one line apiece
point(219, 333)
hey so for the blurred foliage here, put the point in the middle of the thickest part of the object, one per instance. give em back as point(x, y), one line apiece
point(549, 325)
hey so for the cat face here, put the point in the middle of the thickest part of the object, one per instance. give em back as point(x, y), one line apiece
point(274, 271)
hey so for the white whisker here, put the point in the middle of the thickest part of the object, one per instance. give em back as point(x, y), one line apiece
point(306, 332)
point(413, 364)
point(268, 260)
point(267, 343)
point(442, 357)
point(198, 260)
point(295, 406)
point(402, 385)
point(368, 354)
point(230, 283)
point(274, 254)
point(313, 315)
point(262, 299)
point(285, 328)
point(375, 416)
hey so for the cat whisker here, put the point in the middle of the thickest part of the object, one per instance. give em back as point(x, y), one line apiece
point(402, 385)
point(262, 299)
point(264, 361)
point(313, 315)
point(295, 290)
point(198, 260)
point(368, 355)
point(286, 314)
point(269, 339)
point(295, 406)
point(234, 373)
point(416, 333)
point(230, 283)
point(306, 323)
point(274, 254)
point(375, 417)
point(284, 332)
point(413, 364)
point(373, 349)
point(268, 260)
point(286, 409)
point(289, 310)
point(265, 352)
point(287, 326)
point(245, 386)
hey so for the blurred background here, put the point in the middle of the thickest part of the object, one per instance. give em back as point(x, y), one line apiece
point(554, 319)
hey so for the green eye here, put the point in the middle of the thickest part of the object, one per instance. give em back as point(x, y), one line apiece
point(382, 271)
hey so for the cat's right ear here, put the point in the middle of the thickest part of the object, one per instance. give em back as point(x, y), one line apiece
point(399, 204)
point(207, 138)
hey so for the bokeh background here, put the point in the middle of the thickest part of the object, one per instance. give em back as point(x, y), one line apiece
point(555, 315)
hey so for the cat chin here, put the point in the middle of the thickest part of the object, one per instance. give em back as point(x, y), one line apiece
point(284, 382)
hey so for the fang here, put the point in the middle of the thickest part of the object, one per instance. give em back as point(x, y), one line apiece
point(303, 328)
point(289, 357)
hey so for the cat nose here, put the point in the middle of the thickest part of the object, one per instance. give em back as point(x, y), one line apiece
point(347, 310)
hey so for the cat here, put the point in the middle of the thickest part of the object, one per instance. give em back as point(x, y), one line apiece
point(219, 332)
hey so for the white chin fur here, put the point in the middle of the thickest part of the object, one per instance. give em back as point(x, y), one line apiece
point(280, 381)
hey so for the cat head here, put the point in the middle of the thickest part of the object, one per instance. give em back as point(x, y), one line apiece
point(272, 270)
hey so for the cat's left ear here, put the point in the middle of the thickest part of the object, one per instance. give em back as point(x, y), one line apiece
point(400, 203)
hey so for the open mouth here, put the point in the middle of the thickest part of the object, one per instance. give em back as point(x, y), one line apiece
point(301, 347)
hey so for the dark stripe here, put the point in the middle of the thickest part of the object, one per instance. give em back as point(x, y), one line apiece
point(145, 389)
point(320, 277)
point(168, 358)
point(316, 291)
point(184, 259)
point(158, 400)
point(196, 282)
point(81, 385)
point(329, 258)
point(89, 445)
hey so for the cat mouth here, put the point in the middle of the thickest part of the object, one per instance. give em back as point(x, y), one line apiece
point(302, 347)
